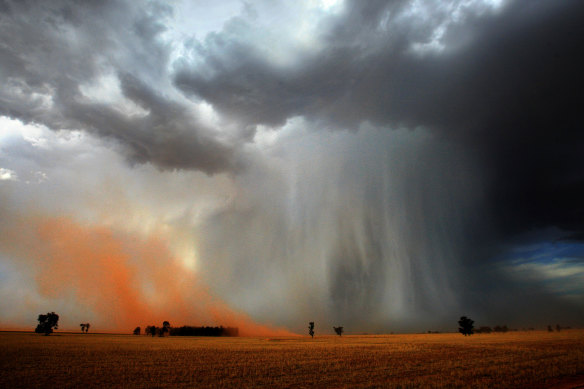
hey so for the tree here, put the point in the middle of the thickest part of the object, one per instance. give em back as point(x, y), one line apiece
point(137, 330)
point(338, 330)
point(558, 328)
point(150, 330)
point(47, 323)
point(466, 326)
point(165, 328)
point(311, 329)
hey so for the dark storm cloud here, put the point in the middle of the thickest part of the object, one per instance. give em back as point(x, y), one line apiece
point(52, 50)
point(499, 92)
point(364, 71)
point(167, 136)
point(464, 131)
point(507, 84)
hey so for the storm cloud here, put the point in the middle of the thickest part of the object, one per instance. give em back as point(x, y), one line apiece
point(101, 67)
point(380, 165)
point(505, 82)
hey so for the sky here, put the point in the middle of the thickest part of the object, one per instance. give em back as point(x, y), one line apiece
point(381, 165)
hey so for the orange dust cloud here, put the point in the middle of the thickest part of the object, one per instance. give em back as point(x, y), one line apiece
point(126, 280)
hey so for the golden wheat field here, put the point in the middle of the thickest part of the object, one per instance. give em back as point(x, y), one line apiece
point(514, 360)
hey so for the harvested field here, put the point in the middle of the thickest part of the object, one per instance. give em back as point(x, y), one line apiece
point(516, 359)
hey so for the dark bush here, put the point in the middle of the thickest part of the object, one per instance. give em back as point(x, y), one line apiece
point(501, 328)
point(483, 330)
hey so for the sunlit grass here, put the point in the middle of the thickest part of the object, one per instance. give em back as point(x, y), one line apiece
point(517, 359)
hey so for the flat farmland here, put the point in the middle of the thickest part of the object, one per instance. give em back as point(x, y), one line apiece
point(515, 360)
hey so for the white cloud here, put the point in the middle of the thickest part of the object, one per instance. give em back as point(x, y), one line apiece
point(13, 128)
point(559, 268)
point(564, 276)
point(451, 14)
point(7, 175)
point(106, 90)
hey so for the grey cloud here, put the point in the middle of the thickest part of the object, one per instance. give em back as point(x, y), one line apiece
point(168, 136)
point(365, 70)
point(371, 228)
point(53, 49)
point(507, 84)
point(505, 88)
point(374, 230)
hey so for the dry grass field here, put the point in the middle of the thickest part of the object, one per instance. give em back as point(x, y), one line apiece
point(510, 360)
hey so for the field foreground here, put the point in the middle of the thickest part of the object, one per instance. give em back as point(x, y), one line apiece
point(516, 360)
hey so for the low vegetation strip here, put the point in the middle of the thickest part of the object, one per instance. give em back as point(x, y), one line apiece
point(507, 360)
point(204, 331)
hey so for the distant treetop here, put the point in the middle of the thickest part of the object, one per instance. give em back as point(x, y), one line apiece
point(47, 323)
point(466, 326)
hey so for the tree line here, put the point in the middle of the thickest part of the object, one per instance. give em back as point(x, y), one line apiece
point(167, 330)
point(466, 327)
point(48, 322)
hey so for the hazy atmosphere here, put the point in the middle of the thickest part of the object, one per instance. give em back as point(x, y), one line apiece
point(380, 165)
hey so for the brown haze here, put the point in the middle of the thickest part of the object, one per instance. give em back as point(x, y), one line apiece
point(126, 280)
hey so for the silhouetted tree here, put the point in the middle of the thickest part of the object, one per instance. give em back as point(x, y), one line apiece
point(137, 331)
point(165, 329)
point(150, 330)
point(47, 323)
point(338, 330)
point(550, 329)
point(558, 328)
point(466, 326)
point(311, 329)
